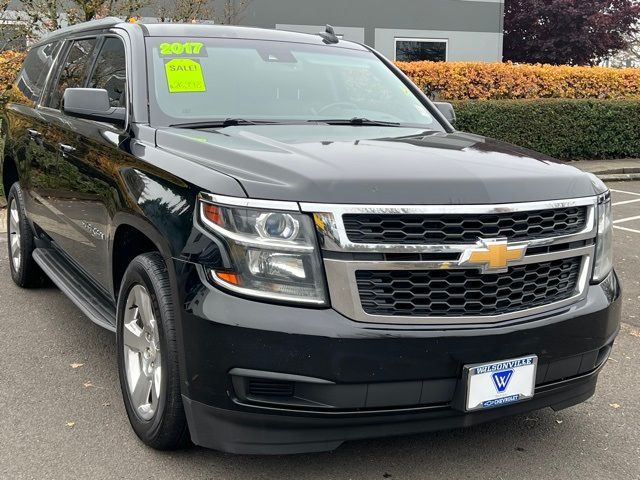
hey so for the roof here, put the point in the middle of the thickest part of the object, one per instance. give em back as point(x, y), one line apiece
point(229, 31)
point(196, 30)
point(80, 27)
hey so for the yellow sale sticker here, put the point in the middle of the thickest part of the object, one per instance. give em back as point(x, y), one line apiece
point(184, 75)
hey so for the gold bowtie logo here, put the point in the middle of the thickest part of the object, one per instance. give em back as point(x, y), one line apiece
point(493, 255)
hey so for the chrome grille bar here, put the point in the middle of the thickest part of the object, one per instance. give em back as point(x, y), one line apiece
point(330, 226)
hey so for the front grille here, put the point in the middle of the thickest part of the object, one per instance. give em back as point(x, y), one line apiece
point(419, 229)
point(460, 293)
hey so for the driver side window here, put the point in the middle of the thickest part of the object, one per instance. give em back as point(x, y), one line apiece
point(110, 71)
point(74, 70)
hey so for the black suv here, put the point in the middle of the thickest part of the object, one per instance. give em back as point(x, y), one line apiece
point(293, 245)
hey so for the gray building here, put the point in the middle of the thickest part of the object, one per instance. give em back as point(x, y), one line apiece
point(440, 30)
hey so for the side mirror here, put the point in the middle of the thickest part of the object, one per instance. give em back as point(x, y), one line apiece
point(447, 110)
point(92, 104)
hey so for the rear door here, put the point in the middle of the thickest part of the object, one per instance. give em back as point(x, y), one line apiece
point(27, 127)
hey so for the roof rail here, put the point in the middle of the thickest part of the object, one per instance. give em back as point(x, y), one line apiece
point(79, 27)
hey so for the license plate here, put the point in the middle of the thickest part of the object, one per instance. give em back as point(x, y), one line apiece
point(498, 384)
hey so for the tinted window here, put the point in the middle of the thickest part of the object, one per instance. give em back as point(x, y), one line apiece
point(416, 50)
point(35, 70)
point(110, 71)
point(74, 71)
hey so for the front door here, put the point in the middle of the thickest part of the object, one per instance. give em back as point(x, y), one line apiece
point(52, 182)
point(88, 154)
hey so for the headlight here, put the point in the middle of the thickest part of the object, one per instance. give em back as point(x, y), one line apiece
point(273, 253)
point(604, 241)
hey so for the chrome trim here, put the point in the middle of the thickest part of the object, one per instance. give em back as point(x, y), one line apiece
point(345, 297)
point(453, 265)
point(249, 202)
point(330, 226)
point(468, 371)
point(263, 294)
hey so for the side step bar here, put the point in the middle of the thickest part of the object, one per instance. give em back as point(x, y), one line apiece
point(80, 291)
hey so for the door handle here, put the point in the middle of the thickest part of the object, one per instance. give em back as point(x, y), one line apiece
point(34, 133)
point(64, 148)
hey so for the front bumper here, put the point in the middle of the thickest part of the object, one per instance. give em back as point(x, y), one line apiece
point(406, 378)
point(268, 433)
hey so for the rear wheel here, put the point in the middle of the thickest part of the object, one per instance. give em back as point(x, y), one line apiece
point(21, 243)
point(147, 354)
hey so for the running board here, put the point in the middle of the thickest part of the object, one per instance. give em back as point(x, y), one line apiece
point(80, 291)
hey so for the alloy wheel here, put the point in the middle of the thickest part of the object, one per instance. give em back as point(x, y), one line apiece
point(15, 250)
point(142, 357)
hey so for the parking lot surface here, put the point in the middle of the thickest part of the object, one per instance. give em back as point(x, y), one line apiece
point(61, 414)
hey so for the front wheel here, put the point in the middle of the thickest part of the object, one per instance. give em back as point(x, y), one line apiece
point(147, 354)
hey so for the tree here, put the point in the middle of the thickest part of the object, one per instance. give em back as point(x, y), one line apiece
point(634, 46)
point(37, 17)
point(231, 11)
point(182, 11)
point(574, 32)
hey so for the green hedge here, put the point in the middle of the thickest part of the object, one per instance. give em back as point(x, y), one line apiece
point(564, 129)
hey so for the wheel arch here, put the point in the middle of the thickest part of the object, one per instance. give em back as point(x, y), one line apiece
point(133, 236)
point(9, 174)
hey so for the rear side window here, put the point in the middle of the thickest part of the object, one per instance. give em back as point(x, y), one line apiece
point(35, 70)
point(110, 71)
point(74, 70)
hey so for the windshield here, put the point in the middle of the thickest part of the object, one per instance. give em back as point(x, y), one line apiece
point(209, 79)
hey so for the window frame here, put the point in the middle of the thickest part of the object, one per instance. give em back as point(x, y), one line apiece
point(420, 40)
point(61, 57)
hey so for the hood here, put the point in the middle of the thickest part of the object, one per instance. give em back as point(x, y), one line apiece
point(375, 165)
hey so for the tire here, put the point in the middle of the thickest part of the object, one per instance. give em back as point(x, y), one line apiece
point(21, 242)
point(146, 340)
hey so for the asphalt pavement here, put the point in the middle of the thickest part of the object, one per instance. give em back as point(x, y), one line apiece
point(61, 414)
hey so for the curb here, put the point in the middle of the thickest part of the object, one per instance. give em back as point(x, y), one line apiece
point(618, 177)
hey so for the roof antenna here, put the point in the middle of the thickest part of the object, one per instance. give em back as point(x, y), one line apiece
point(329, 35)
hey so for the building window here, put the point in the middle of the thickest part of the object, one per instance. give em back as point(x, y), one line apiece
point(417, 49)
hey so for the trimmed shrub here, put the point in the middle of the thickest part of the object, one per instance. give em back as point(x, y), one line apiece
point(564, 129)
point(10, 65)
point(501, 81)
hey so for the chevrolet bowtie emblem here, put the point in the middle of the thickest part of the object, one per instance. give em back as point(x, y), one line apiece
point(492, 256)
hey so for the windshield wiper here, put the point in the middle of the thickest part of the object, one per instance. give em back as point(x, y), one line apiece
point(227, 122)
point(358, 121)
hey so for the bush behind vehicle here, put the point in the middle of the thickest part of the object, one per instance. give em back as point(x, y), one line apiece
point(564, 129)
point(509, 81)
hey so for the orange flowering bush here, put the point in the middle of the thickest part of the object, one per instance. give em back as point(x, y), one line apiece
point(10, 65)
point(508, 81)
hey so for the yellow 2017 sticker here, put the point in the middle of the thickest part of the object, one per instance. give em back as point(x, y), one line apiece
point(184, 75)
point(179, 48)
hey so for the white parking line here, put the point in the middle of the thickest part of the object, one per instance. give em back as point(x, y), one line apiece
point(622, 220)
point(627, 229)
point(628, 193)
point(626, 202)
